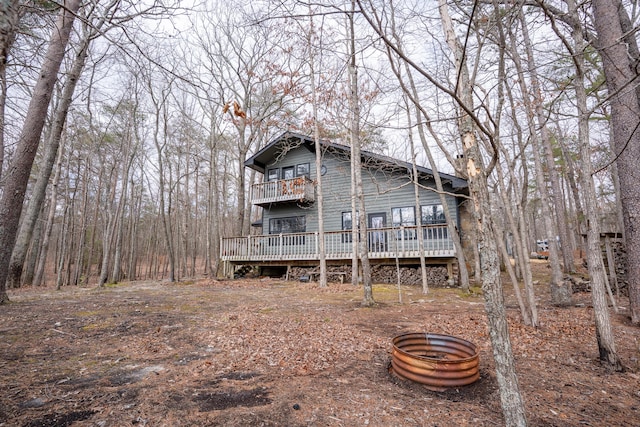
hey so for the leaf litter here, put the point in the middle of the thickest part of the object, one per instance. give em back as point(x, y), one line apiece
point(274, 353)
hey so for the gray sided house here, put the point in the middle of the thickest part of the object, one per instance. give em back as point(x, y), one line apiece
point(287, 235)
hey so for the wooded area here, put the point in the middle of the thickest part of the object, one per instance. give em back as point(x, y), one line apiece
point(125, 125)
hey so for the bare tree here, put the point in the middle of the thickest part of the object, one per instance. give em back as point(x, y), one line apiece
point(560, 291)
point(416, 194)
point(604, 333)
point(38, 278)
point(356, 167)
point(477, 173)
point(318, 153)
point(423, 121)
point(55, 134)
point(160, 142)
point(251, 84)
point(213, 223)
point(20, 168)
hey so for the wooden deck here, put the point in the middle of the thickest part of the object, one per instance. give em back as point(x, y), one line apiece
point(389, 243)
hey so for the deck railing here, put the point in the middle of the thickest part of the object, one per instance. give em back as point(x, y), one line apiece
point(382, 243)
point(283, 190)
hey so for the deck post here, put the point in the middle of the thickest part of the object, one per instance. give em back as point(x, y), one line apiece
point(280, 245)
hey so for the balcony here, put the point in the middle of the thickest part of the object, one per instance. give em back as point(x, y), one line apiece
point(382, 243)
point(300, 189)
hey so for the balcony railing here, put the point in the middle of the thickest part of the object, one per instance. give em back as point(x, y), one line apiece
point(382, 243)
point(285, 190)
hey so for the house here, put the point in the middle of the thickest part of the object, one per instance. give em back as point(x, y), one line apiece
point(287, 236)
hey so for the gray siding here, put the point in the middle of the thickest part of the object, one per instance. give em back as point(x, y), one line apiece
point(384, 190)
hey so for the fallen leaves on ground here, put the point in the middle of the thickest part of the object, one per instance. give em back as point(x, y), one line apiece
point(274, 353)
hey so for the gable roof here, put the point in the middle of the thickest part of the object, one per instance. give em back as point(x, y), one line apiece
point(289, 140)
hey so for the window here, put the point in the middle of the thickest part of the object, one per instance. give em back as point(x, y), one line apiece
point(404, 217)
point(347, 225)
point(401, 217)
point(273, 174)
point(303, 170)
point(433, 215)
point(294, 224)
point(288, 172)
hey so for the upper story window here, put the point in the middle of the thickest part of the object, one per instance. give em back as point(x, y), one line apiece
point(289, 172)
point(273, 174)
point(303, 170)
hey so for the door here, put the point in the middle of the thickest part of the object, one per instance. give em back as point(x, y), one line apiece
point(377, 239)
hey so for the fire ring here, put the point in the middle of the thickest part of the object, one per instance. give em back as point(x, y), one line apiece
point(438, 361)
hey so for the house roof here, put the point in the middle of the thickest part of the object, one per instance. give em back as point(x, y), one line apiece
point(289, 140)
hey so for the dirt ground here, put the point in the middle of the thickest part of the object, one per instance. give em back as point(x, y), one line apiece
point(264, 352)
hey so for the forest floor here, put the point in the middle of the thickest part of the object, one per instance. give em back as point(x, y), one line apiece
point(264, 352)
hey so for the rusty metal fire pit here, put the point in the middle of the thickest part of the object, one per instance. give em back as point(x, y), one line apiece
point(438, 361)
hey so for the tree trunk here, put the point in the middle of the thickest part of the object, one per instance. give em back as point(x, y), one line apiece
point(134, 244)
point(526, 316)
point(18, 172)
point(453, 230)
point(94, 224)
point(34, 251)
point(83, 226)
point(166, 216)
point(545, 140)
point(422, 121)
point(510, 397)
point(9, 19)
point(62, 243)
point(44, 174)
point(71, 228)
point(418, 208)
point(604, 332)
point(241, 184)
point(625, 111)
point(108, 229)
point(356, 176)
point(116, 272)
point(529, 310)
point(208, 265)
point(575, 192)
point(560, 291)
point(318, 157)
point(213, 206)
